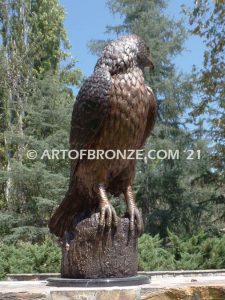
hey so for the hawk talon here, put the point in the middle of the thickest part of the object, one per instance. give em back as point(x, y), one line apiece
point(134, 213)
point(135, 220)
point(107, 215)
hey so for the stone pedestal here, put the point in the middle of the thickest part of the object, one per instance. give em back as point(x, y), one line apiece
point(96, 254)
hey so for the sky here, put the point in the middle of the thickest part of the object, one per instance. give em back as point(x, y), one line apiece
point(87, 19)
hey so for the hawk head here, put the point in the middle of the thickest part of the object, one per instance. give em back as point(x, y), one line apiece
point(124, 53)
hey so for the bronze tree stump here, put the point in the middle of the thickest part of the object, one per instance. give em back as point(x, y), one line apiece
point(93, 253)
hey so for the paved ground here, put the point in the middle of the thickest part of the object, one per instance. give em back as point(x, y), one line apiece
point(156, 283)
point(27, 290)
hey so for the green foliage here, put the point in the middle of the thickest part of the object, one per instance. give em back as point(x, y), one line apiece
point(152, 256)
point(29, 258)
point(197, 252)
point(201, 251)
point(40, 184)
point(207, 21)
point(47, 32)
point(36, 78)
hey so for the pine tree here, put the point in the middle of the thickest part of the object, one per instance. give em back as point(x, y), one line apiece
point(207, 22)
point(36, 104)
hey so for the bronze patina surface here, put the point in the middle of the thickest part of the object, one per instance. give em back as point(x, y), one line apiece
point(114, 110)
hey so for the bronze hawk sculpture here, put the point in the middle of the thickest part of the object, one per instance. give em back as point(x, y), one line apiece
point(114, 110)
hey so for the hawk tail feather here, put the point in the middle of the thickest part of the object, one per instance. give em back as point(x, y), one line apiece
point(63, 218)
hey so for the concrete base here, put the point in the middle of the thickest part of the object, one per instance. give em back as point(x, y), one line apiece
point(164, 286)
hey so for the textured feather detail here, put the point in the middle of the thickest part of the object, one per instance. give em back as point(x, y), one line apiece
point(114, 110)
point(89, 112)
point(152, 111)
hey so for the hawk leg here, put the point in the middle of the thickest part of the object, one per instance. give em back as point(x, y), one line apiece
point(107, 212)
point(134, 213)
